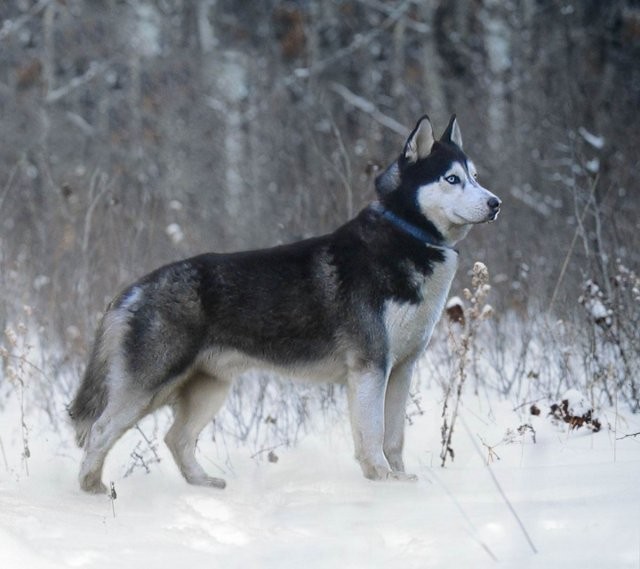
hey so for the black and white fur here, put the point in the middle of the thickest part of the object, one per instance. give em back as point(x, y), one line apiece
point(357, 306)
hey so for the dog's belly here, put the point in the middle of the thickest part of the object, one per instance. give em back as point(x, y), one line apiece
point(229, 363)
point(409, 326)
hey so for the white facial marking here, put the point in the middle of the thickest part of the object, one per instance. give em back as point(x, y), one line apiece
point(456, 201)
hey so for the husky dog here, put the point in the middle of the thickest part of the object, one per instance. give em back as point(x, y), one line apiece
point(357, 306)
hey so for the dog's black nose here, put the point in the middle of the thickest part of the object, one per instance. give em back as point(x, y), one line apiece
point(494, 203)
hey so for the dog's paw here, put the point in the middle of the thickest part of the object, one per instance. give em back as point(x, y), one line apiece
point(208, 481)
point(402, 477)
point(382, 473)
point(92, 485)
point(216, 483)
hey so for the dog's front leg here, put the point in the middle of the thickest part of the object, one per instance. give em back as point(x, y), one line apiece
point(366, 388)
point(394, 414)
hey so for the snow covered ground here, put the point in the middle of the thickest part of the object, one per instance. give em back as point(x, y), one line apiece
point(577, 495)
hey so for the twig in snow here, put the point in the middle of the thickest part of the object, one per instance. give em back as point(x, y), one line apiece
point(141, 457)
point(529, 404)
point(500, 490)
point(271, 456)
point(472, 528)
point(112, 497)
point(629, 435)
point(4, 456)
point(491, 453)
point(465, 352)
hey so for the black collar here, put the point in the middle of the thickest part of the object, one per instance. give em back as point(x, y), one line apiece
point(409, 228)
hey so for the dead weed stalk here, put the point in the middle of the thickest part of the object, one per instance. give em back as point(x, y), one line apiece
point(466, 320)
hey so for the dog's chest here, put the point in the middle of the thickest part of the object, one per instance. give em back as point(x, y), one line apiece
point(409, 326)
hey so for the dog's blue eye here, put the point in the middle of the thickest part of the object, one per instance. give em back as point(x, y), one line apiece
point(453, 179)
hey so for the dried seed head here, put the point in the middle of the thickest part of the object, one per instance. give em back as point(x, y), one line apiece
point(487, 312)
point(11, 336)
point(480, 274)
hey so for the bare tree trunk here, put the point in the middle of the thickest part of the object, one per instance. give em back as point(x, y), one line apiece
point(231, 80)
point(206, 36)
point(135, 99)
point(48, 68)
point(497, 44)
point(432, 64)
point(398, 67)
point(49, 47)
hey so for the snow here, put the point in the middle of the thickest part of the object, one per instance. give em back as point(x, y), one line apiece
point(593, 165)
point(592, 139)
point(454, 301)
point(575, 492)
point(174, 231)
point(577, 402)
point(597, 308)
point(147, 36)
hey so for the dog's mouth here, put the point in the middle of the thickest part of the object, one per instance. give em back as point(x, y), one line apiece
point(489, 218)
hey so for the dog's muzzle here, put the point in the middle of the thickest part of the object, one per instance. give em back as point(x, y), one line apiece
point(494, 204)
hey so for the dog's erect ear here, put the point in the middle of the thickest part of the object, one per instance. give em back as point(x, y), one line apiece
point(452, 134)
point(420, 141)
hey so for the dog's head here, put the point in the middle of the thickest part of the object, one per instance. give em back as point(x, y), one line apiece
point(436, 180)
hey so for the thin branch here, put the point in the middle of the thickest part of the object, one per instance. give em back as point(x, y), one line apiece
point(268, 449)
point(528, 403)
point(500, 490)
point(629, 435)
point(11, 26)
point(4, 456)
point(113, 496)
point(473, 531)
point(420, 27)
point(61, 92)
point(359, 41)
point(369, 108)
point(565, 264)
point(97, 179)
point(23, 359)
point(81, 123)
point(7, 187)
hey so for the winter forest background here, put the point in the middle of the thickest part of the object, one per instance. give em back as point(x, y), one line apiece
point(135, 133)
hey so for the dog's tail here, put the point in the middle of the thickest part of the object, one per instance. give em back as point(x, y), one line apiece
point(91, 397)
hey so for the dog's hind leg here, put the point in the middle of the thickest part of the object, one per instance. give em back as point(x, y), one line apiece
point(121, 413)
point(197, 403)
